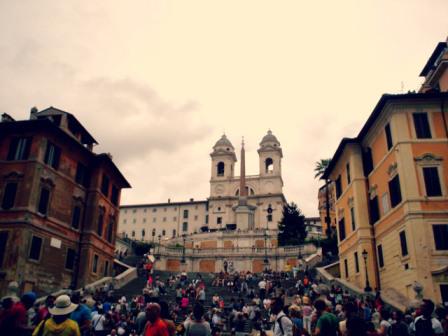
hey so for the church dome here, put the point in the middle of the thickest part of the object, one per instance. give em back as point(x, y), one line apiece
point(269, 140)
point(224, 143)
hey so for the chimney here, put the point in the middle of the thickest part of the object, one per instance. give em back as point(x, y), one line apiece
point(33, 113)
point(191, 199)
point(169, 200)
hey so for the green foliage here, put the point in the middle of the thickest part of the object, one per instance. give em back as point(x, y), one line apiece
point(140, 248)
point(320, 166)
point(291, 229)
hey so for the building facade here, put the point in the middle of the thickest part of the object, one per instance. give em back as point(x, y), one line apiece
point(59, 203)
point(326, 206)
point(220, 210)
point(391, 192)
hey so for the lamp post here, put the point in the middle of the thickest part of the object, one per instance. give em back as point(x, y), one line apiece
point(268, 217)
point(158, 248)
point(183, 250)
point(367, 289)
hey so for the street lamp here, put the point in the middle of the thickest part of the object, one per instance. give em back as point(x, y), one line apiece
point(268, 217)
point(367, 288)
point(183, 250)
point(158, 247)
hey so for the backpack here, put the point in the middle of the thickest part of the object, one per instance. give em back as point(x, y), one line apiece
point(295, 330)
point(423, 327)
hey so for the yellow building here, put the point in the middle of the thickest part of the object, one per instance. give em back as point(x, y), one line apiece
point(391, 191)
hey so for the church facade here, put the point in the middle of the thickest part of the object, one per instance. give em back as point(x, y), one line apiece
point(262, 196)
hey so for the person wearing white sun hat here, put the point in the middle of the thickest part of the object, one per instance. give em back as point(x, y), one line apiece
point(59, 324)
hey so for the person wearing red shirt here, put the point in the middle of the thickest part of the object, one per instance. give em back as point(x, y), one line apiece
point(15, 321)
point(155, 325)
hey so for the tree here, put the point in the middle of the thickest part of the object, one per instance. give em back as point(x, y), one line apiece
point(320, 166)
point(291, 229)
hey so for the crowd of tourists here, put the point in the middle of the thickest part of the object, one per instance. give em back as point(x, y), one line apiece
point(269, 303)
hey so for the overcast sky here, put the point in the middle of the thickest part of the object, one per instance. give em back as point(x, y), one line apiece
point(158, 82)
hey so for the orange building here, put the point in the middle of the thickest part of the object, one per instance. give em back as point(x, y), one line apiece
point(391, 192)
point(327, 213)
point(59, 204)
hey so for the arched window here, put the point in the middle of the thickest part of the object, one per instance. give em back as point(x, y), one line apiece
point(163, 232)
point(153, 232)
point(220, 169)
point(269, 164)
point(143, 233)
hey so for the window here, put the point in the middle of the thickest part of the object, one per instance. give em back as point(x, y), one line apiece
point(185, 213)
point(403, 243)
point(124, 221)
point(134, 210)
point(174, 218)
point(144, 220)
point(374, 210)
point(52, 155)
point(352, 215)
point(164, 219)
point(43, 201)
point(380, 256)
point(163, 232)
point(81, 175)
point(195, 217)
point(338, 187)
point(19, 149)
point(133, 234)
point(76, 216)
point(218, 220)
point(346, 268)
point(3, 242)
point(114, 196)
point(269, 165)
point(134, 221)
point(70, 259)
point(154, 210)
point(432, 182)
point(385, 203)
point(99, 230)
point(143, 233)
point(154, 220)
point(421, 124)
point(35, 248)
point(164, 209)
point(389, 141)
point(206, 219)
point(269, 218)
point(153, 232)
point(105, 186)
point(341, 229)
point(95, 263)
point(347, 167)
point(367, 161)
point(9, 195)
point(184, 226)
point(106, 268)
point(395, 191)
point(110, 229)
point(220, 169)
point(174, 233)
point(356, 262)
point(440, 236)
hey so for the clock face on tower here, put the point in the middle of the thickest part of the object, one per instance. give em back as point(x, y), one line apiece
point(219, 189)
